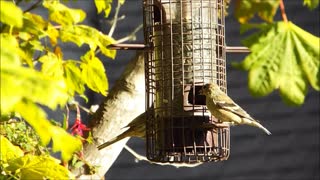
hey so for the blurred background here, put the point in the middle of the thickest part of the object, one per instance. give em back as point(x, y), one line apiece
point(292, 152)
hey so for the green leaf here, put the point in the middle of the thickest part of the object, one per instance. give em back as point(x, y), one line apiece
point(307, 53)
point(53, 34)
point(81, 34)
point(103, 5)
point(61, 140)
point(10, 14)
point(283, 57)
point(39, 167)
point(64, 142)
point(51, 65)
point(103, 41)
point(249, 26)
point(63, 15)
point(34, 24)
point(312, 4)
point(26, 86)
point(9, 44)
point(93, 73)
point(39, 28)
point(68, 70)
point(26, 83)
point(36, 45)
point(8, 151)
point(73, 77)
point(246, 9)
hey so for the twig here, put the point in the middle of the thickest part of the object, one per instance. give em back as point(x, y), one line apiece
point(143, 158)
point(119, 19)
point(78, 107)
point(78, 112)
point(131, 36)
point(283, 12)
point(67, 117)
point(115, 19)
point(84, 109)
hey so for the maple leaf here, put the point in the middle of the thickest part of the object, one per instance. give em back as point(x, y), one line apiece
point(285, 57)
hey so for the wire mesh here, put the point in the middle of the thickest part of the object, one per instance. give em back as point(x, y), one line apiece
point(188, 40)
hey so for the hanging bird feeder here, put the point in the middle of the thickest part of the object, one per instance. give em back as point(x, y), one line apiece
point(188, 50)
point(184, 49)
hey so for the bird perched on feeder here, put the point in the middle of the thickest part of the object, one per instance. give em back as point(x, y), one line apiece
point(136, 129)
point(225, 109)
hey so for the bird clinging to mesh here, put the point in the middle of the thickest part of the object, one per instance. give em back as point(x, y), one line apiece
point(136, 129)
point(225, 109)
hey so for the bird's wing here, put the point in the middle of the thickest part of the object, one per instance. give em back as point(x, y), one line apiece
point(137, 121)
point(233, 107)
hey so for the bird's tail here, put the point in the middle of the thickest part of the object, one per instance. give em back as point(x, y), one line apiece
point(258, 125)
point(113, 140)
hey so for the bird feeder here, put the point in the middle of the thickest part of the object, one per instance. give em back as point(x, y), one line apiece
point(186, 40)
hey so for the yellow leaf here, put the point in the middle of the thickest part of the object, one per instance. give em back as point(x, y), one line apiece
point(39, 167)
point(9, 151)
point(10, 14)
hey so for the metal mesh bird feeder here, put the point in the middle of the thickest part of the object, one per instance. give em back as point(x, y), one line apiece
point(187, 40)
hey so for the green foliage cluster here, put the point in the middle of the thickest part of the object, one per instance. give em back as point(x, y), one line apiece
point(283, 56)
point(29, 41)
point(23, 157)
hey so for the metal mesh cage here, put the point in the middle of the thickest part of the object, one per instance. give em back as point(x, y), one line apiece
point(188, 51)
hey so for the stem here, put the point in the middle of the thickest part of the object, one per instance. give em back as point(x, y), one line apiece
point(131, 36)
point(67, 117)
point(10, 30)
point(283, 12)
point(110, 22)
point(78, 112)
point(113, 27)
point(85, 109)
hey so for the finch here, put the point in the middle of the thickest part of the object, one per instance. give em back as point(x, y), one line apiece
point(225, 109)
point(136, 128)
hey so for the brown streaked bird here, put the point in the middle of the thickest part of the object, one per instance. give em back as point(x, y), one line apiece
point(136, 129)
point(225, 109)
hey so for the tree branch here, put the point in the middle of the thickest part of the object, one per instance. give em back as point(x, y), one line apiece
point(125, 100)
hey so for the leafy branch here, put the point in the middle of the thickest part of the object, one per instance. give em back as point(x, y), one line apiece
point(35, 40)
point(283, 56)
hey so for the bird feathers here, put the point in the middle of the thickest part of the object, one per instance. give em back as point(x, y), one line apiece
point(225, 109)
point(136, 128)
point(234, 108)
